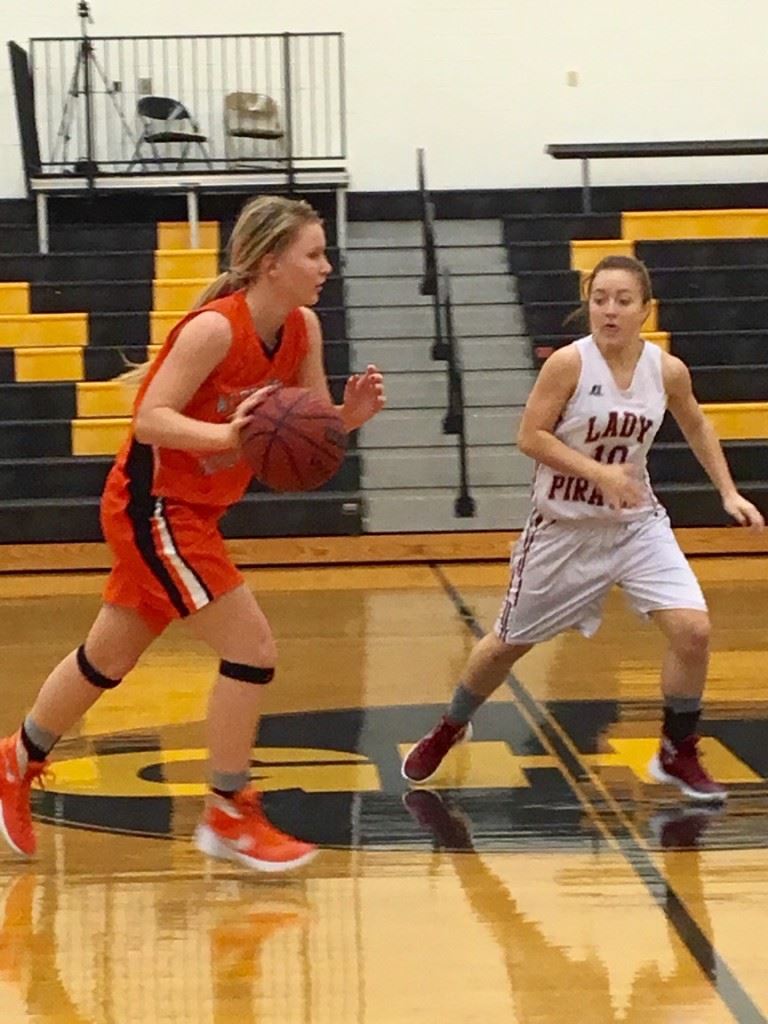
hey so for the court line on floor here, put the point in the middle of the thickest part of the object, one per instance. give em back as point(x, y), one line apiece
point(603, 807)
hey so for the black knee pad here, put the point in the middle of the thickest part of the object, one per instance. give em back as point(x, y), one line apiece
point(246, 673)
point(92, 674)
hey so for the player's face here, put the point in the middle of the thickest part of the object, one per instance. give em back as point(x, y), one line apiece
point(301, 269)
point(616, 307)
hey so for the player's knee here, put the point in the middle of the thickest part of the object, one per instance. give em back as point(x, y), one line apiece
point(243, 672)
point(691, 640)
point(105, 676)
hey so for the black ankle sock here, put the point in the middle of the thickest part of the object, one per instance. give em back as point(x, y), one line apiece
point(679, 725)
point(33, 753)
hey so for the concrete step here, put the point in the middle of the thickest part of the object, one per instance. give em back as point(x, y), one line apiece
point(414, 321)
point(428, 389)
point(487, 466)
point(418, 428)
point(433, 509)
point(367, 234)
point(404, 291)
point(506, 353)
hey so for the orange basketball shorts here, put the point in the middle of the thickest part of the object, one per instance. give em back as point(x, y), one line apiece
point(169, 559)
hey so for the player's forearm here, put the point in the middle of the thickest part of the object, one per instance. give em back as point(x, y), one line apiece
point(551, 451)
point(705, 445)
point(168, 428)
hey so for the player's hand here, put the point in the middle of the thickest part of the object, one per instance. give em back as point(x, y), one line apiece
point(743, 511)
point(242, 413)
point(363, 397)
point(620, 486)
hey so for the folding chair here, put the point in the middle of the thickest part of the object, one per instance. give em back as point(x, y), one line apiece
point(164, 122)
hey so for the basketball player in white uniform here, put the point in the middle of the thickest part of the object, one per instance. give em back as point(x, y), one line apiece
point(589, 422)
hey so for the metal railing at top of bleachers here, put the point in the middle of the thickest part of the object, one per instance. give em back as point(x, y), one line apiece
point(205, 105)
point(437, 283)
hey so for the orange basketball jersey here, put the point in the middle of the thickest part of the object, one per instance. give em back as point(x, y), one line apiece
point(213, 479)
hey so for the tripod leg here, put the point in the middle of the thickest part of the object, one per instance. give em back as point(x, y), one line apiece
point(65, 125)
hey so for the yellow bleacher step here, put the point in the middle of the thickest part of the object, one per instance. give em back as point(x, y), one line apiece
point(739, 421)
point(176, 235)
point(60, 363)
point(99, 436)
point(104, 398)
point(670, 224)
point(14, 298)
point(586, 253)
point(32, 330)
point(178, 294)
point(161, 322)
point(186, 263)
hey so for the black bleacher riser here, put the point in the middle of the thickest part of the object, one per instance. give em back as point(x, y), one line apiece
point(711, 314)
point(54, 400)
point(720, 348)
point(259, 515)
point(21, 439)
point(704, 252)
point(117, 329)
point(549, 286)
point(698, 282)
point(84, 477)
point(90, 297)
point(72, 477)
point(7, 365)
point(676, 463)
point(17, 211)
point(78, 266)
point(697, 505)
point(543, 318)
point(730, 383)
point(64, 238)
point(57, 521)
point(531, 256)
point(107, 363)
point(561, 227)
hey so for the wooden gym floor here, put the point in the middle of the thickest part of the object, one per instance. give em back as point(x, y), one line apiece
point(542, 878)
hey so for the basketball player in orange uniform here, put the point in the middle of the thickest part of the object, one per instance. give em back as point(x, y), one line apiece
point(589, 422)
point(178, 471)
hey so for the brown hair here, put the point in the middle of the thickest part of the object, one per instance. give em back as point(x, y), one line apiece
point(630, 264)
point(267, 224)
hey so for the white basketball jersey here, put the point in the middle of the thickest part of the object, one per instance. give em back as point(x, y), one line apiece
point(609, 425)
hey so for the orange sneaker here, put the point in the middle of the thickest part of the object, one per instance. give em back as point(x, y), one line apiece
point(15, 814)
point(238, 829)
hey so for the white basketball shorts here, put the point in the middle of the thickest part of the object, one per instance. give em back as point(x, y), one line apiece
point(562, 571)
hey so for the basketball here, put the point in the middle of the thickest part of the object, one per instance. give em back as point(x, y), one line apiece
point(294, 440)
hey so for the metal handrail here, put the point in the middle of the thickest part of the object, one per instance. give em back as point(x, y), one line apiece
point(437, 283)
point(430, 282)
point(454, 421)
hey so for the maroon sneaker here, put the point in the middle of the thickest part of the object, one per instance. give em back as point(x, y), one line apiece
point(681, 766)
point(423, 760)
